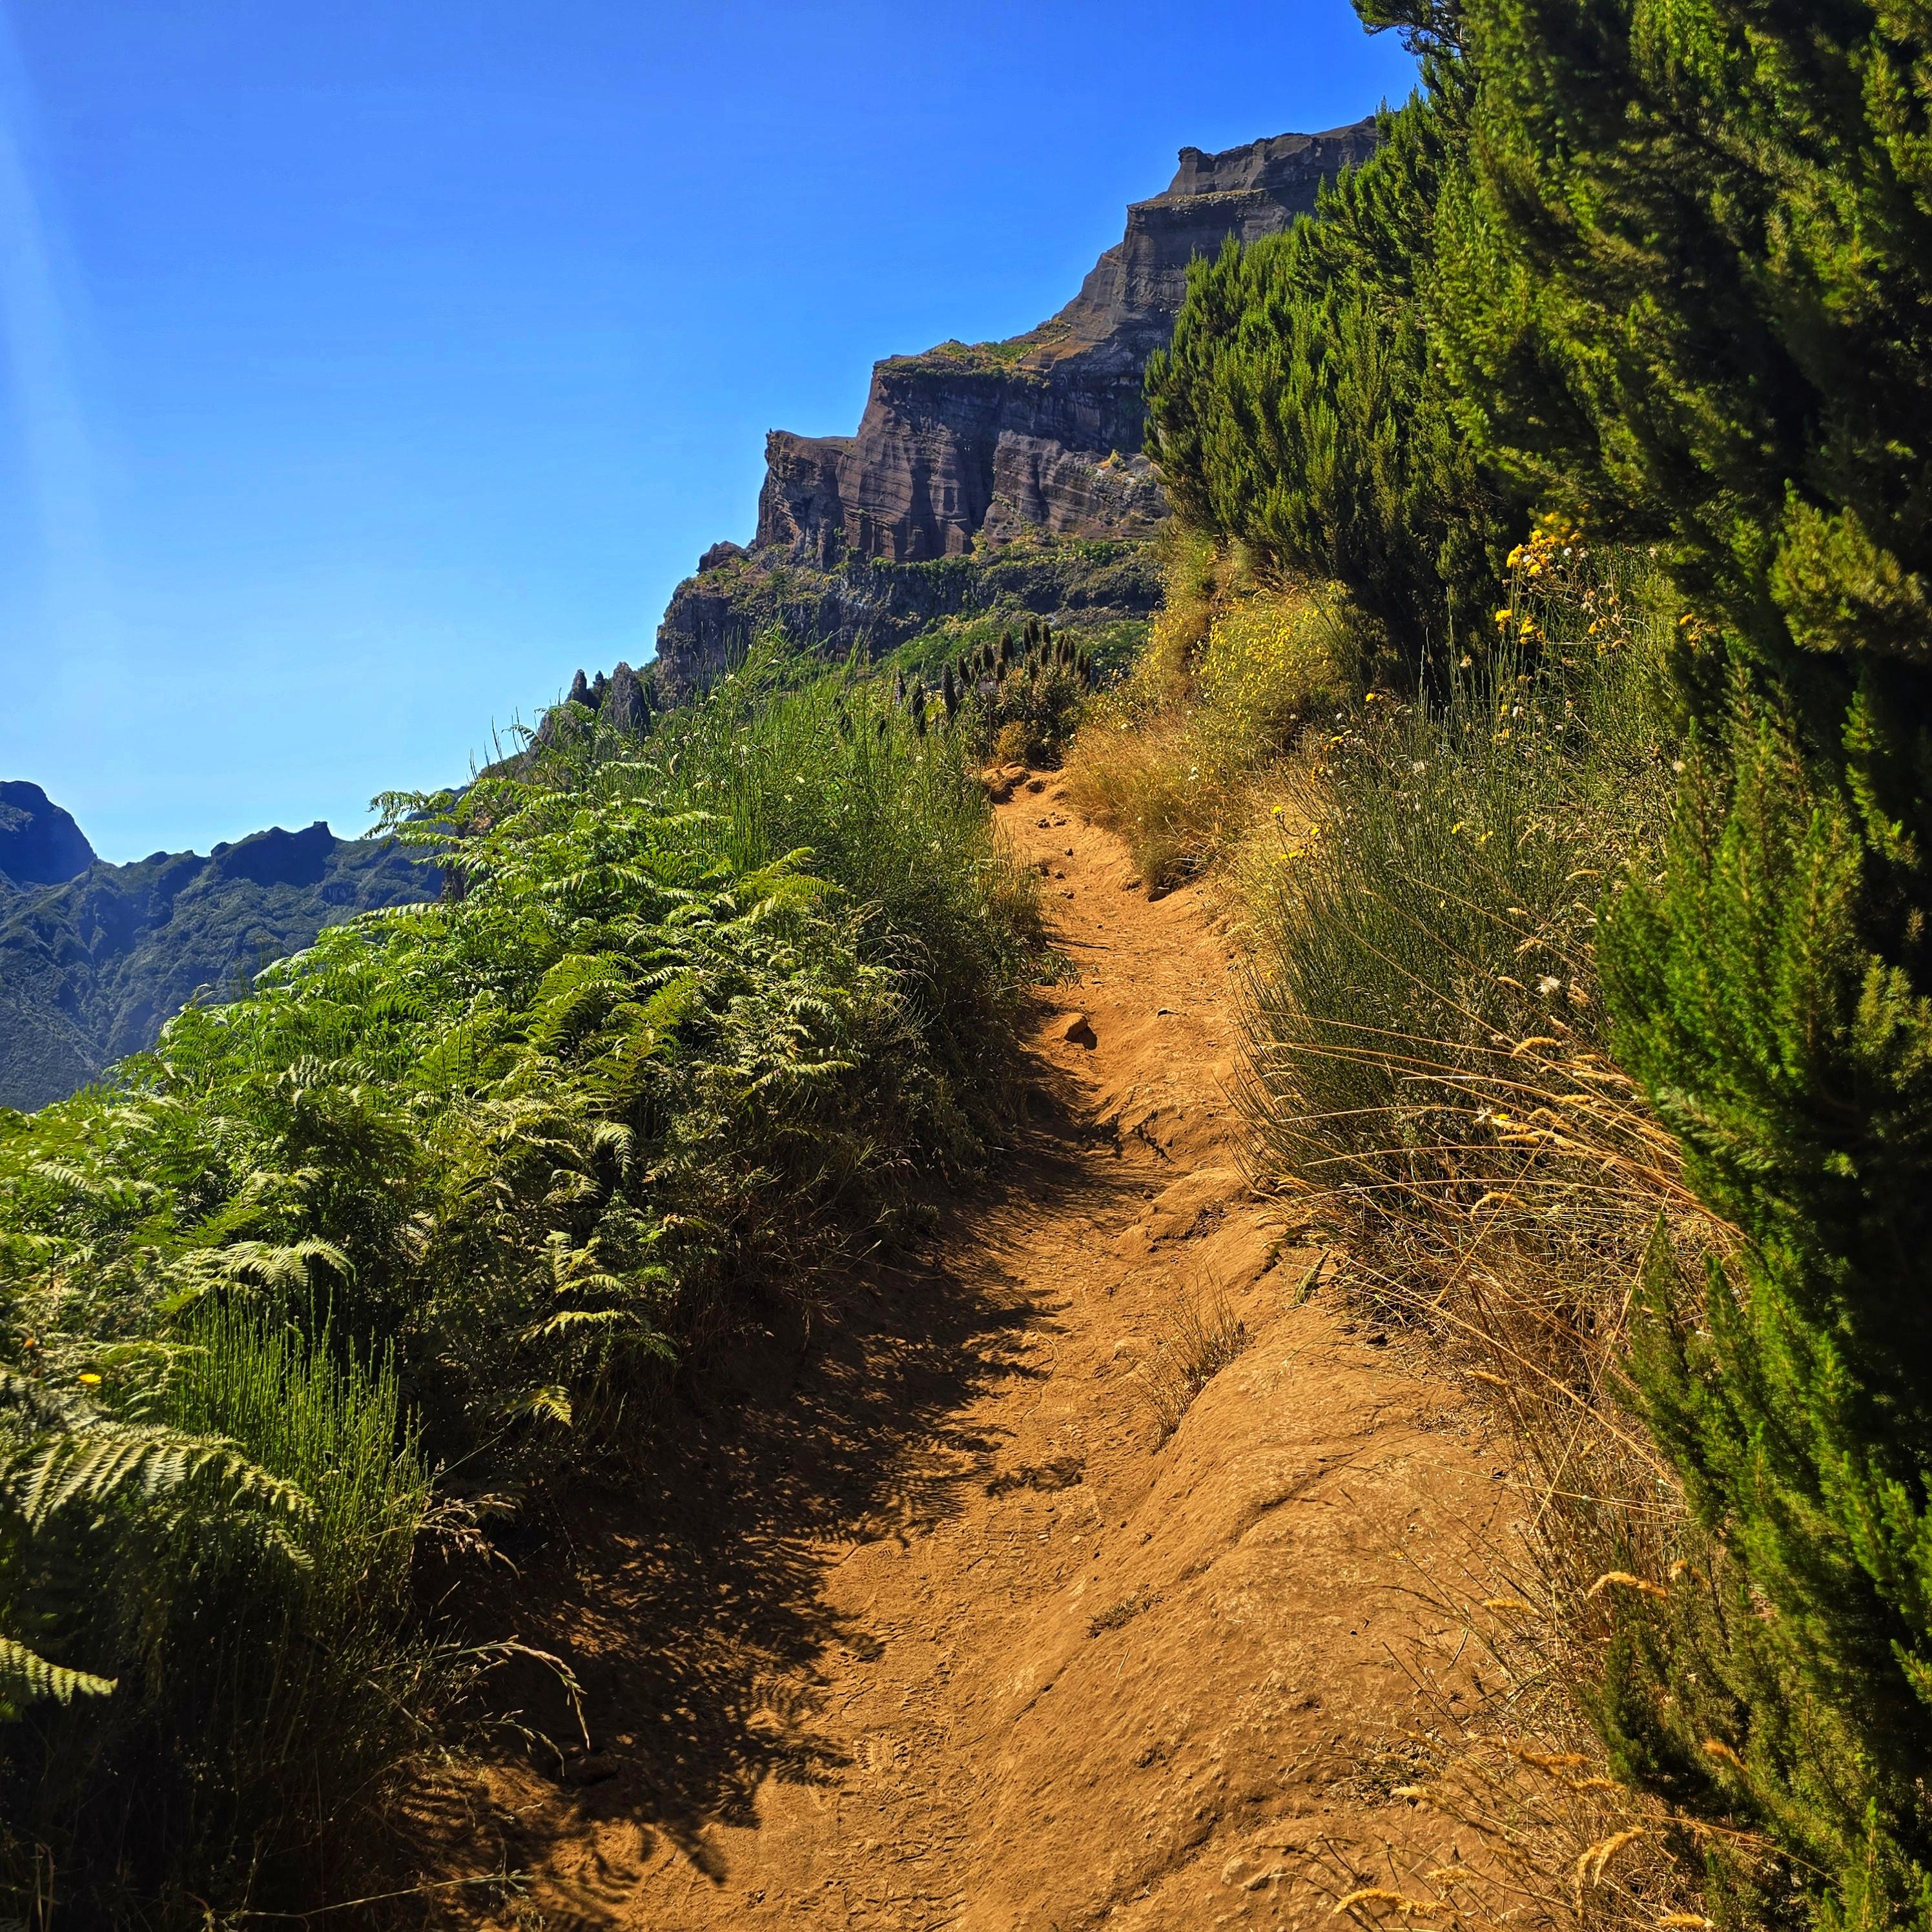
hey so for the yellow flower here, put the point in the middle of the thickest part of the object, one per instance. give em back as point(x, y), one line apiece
point(91, 1380)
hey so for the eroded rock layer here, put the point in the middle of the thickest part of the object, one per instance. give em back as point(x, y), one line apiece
point(1039, 435)
point(1022, 432)
point(875, 606)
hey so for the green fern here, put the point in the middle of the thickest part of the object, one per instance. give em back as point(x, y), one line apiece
point(25, 1678)
point(459, 1182)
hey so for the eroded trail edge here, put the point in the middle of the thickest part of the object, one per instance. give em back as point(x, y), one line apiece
point(935, 1626)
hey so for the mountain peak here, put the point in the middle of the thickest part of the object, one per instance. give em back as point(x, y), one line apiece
point(40, 844)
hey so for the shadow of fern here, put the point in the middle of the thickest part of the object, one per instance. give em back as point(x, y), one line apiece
point(690, 1601)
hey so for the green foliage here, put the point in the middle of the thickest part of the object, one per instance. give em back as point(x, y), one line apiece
point(897, 821)
point(1690, 298)
point(1113, 644)
point(1092, 586)
point(1021, 696)
point(457, 1186)
point(228, 1526)
point(1303, 411)
point(26, 1677)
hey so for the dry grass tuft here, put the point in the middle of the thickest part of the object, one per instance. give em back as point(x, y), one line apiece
point(1431, 1073)
point(1122, 1613)
point(1201, 1336)
point(1178, 759)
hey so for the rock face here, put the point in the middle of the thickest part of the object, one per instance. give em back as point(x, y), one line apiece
point(972, 444)
point(622, 699)
point(1019, 433)
point(40, 844)
point(874, 607)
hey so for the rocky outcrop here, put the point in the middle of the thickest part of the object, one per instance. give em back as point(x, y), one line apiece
point(1041, 484)
point(40, 844)
point(622, 699)
point(969, 445)
point(873, 607)
point(947, 435)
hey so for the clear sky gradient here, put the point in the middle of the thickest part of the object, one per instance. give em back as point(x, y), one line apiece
point(369, 367)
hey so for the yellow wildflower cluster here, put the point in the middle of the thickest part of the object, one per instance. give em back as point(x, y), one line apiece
point(1543, 562)
point(1555, 541)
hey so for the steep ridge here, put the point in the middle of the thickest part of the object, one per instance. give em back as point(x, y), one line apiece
point(40, 844)
point(93, 965)
point(925, 1627)
point(1036, 438)
point(1040, 431)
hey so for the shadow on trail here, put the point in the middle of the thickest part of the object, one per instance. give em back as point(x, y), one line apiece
point(691, 1604)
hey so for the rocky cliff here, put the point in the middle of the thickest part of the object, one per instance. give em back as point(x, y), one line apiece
point(1083, 587)
point(1043, 431)
point(1037, 436)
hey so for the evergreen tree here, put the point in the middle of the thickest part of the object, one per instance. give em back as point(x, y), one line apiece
point(1302, 409)
point(1694, 297)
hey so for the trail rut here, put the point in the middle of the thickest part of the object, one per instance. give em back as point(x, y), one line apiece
point(929, 1628)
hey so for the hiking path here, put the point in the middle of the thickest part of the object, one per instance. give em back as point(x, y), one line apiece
point(930, 1623)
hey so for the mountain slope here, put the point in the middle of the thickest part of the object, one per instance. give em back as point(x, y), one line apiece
point(40, 844)
point(92, 965)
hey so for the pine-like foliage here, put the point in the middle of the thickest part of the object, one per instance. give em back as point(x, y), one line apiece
point(1694, 298)
point(1303, 409)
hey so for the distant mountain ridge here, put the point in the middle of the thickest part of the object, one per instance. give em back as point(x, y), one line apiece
point(968, 448)
point(95, 958)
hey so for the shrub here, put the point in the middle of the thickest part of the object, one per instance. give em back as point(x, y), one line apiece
point(898, 822)
point(1200, 1335)
point(224, 1542)
point(457, 1187)
point(1303, 410)
point(1171, 758)
point(1430, 907)
point(1694, 298)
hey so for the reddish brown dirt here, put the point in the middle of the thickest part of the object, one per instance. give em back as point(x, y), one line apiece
point(930, 1627)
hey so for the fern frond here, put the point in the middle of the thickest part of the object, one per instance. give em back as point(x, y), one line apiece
point(551, 1401)
point(26, 1677)
point(109, 1458)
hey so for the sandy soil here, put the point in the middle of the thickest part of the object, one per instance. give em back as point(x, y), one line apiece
point(931, 1624)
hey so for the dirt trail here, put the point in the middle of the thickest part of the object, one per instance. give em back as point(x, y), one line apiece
point(930, 1629)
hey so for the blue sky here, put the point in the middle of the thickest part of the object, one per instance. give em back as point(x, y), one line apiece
point(365, 367)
